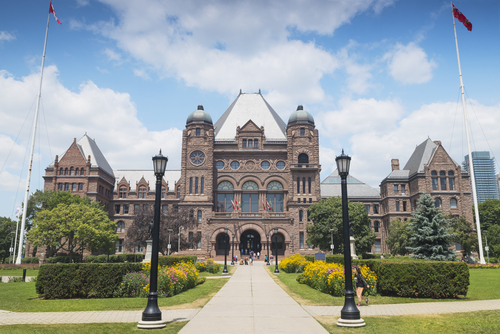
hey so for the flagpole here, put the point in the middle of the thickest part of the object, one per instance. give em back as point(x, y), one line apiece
point(26, 195)
point(471, 165)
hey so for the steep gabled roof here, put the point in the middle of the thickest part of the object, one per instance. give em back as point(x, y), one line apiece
point(250, 107)
point(420, 157)
point(135, 176)
point(88, 146)
point(330, 187)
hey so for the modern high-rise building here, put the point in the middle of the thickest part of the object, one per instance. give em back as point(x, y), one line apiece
point(484, 173)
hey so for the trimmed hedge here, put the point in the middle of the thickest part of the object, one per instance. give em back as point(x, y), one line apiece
point(329, 258)
point(171, 260)
point(30, 260)
point(82, 280)
point(119, 258)
point(62, 259)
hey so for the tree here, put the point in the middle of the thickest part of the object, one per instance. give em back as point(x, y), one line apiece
point(399, 235)
point(493, 235)
point(430, 238)
point(72, 228)
point(464, 235)
point(7, 226)
point(327, 214)
point(139, 231)
point(489, 213)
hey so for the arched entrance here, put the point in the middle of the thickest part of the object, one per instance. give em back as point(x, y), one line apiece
point(221, 244)
point(250, 241)
point(281, 244)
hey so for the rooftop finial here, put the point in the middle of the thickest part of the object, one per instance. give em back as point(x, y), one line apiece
point(160, 151)
point(300, 107)
point(259, 91)
point(240, 91)
point(200, 107)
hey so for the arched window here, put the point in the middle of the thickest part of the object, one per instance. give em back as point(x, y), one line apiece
point(225, 196)
point(66, 171)
point(61, 171)
point(453, 203)
point(250, 197)
point(442, 180)
point(376, 226)
point(82, 171)
point(202, 185)
point(437, 202)
point(77, 171)
point(199, 215)
point(142, 192)
point(434, 180)
point(301, 215)
point(451, 180)
point(123, 192)
point(72, 171)
point(179, 192)
point(275, 196)
point(309, 184)
point(120, 226)
point(303, 158)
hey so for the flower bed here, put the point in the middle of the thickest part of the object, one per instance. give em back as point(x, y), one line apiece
point(210, 266)
point(330, 278)
point(294, 264)
point(484, 266)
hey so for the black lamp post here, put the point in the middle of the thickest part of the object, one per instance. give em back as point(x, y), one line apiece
point(151, 317)
point(276, 269)
point(232, 252)
point(349, 315)
point(267, 238)
point(331, 245)
point(225, 272)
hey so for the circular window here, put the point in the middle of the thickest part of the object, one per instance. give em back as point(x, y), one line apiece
point(219, 164)
point(235, 165)
point(197, 157)
point(280, 164)
point(265, 164)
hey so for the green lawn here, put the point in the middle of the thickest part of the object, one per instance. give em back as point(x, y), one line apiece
point(22, 297)
point(484, 284)
point(171, 328)
point(473, 322)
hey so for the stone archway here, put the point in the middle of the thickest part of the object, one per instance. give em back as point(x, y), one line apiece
point(250, 240)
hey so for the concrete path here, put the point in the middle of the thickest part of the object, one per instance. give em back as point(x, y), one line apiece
point(251, 302)
point(410, 309)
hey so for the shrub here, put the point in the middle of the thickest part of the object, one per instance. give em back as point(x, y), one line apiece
point(82, 280)
point(171, 260)
point(330, 277)
point(63, 259)
point(15, 279)
point(214, 268)
point(201, 266)
point(30, 260)
point(425, 279)
point(294, 264)
point(134, 284)
point(181, 277)
point(20, 266)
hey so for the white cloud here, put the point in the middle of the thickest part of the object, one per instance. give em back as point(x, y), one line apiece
point(82, 3)
point(141, 74)
point(6, 36)
point(408, 64)
point(112, 55)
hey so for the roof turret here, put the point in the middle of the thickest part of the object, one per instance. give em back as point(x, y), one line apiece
point(300, 116)
point(199, 116)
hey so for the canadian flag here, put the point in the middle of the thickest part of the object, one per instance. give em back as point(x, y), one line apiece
point(234, 205)
point(237, 205)
point(51, 10)
point(268, 206)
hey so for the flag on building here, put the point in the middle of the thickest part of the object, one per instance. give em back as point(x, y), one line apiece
point(461, 17)
point(234, 205)
point(18, 212)
point(51, 10)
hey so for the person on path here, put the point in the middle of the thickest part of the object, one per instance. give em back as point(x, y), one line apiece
point(251, 261)
point(258, 255)
point(360, 285)
point(265, 258)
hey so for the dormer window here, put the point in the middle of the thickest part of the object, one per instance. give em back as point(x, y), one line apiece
point(244, 143)
point(123, 192)
point(142, 192)
point(250, 143)
point(256, 143)
point(198, 132)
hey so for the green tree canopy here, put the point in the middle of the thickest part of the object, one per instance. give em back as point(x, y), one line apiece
point(7, 226)
point(464, 235)
point(489, 213)
point(327, 214)
point(493, 235)
point(430, 238)
point(398, 238)
point(72, 228)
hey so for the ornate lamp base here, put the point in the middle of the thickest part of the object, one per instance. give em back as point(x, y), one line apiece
point(151, 324)
point(351, 323)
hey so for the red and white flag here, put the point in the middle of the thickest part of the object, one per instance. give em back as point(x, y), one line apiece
point(461, 17)
point(234, 205)
point(237, 205)
point(51, 10)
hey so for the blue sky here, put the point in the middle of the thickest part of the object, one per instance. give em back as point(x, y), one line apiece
point(379, 77)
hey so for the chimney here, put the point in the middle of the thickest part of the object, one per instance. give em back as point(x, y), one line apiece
point(395, 164)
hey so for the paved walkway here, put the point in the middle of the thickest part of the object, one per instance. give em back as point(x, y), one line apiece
point(251, 302)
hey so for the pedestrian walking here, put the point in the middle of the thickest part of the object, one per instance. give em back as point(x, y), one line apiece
point(258, 255)
point(360, 285)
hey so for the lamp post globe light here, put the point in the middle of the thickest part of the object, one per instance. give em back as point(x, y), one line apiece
point(349, 315)
point(169, 245)
point(151, 317)
point(232, 252)
point(267, 238)
point(225, 272)
point(332, 246)
point(276, 269)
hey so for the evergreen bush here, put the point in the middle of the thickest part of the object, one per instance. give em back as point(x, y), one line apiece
point(34, 259)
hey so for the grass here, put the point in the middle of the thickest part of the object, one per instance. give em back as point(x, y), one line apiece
point(22, 297)
point(474, 322)
point(171, 328)
point(18, 272)
point(484, 285)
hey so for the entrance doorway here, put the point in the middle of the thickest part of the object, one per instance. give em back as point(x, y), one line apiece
point(280, 239)
point(250, 241)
